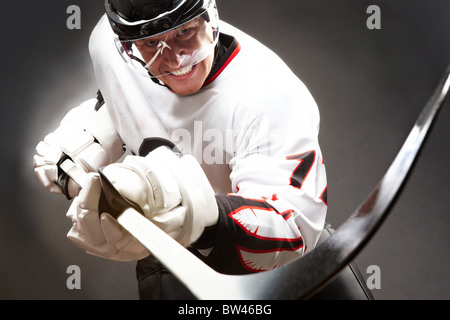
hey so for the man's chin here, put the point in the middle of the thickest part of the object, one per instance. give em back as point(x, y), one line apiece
point(185, 90)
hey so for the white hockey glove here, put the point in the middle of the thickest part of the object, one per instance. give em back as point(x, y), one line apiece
point(100, 234)
point(84, 135)
point(173, 192)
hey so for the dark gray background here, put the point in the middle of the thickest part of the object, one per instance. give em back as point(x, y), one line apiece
point(370, 86)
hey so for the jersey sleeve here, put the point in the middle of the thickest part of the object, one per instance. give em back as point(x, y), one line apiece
point(278, 206)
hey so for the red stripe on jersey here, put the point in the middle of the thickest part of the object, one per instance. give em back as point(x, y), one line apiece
point(236, 215)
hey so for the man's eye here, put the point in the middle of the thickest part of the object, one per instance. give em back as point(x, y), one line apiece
point(184, 32)
point(152, 43)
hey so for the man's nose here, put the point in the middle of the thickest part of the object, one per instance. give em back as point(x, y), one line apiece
point(174, 56)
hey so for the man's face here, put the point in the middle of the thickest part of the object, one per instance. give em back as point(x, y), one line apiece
point(171, 55)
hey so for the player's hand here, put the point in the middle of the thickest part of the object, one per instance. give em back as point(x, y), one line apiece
point(87, 137)
point(172, 192)
point(97, 233)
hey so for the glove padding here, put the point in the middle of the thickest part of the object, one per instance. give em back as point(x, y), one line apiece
point(173, 192)
point(84, 135)
point(100, 234)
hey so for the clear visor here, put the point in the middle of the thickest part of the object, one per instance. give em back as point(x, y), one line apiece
point(176, 51)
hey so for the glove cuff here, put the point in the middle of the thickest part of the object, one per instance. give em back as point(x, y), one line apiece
point(197, 194)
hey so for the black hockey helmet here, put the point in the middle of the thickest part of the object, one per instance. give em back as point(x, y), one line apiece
point(137, 19)
point(154, 23)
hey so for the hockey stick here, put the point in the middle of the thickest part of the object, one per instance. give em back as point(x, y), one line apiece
point(303, 277)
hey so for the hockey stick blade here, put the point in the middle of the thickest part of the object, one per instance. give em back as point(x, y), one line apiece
point(302, 278)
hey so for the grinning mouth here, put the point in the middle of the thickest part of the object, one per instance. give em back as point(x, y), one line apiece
point(182, 72)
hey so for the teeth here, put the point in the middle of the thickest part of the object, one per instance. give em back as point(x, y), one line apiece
point(182, 72)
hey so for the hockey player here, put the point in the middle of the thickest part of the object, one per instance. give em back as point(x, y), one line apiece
point(192, 98)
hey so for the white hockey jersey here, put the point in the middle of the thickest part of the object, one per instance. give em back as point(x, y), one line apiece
point(254, 129)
